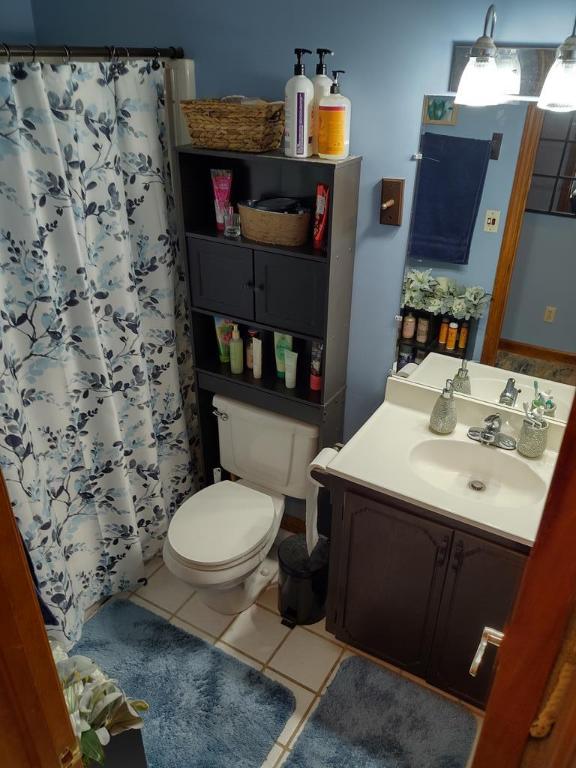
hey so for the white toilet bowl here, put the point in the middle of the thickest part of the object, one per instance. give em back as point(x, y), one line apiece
point(219, 540)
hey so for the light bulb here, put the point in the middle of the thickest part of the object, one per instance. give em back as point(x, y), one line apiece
point(559, 91)
point(480, 84)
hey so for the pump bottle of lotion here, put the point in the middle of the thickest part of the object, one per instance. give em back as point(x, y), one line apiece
point(322, 85)
point(299, 101)
point(334, 122)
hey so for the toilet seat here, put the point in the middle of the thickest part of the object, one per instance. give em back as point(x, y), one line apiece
point(222, 526)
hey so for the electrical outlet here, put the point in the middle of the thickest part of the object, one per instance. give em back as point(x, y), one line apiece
point(492, 221)
point(217, 474)
point(549, 314)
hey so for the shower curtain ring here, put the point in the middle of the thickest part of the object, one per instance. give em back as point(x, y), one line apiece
point(33, 49)
point(66, 54)
point(7, 51)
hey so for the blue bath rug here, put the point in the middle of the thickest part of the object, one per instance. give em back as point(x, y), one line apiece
point(207, 710)
point(372, 718)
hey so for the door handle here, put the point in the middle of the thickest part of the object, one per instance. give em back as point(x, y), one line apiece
point(489, 635)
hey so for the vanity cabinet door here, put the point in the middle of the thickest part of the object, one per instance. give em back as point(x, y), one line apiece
point(290, 292)
point(480, 590)
point(221, 278)
point(393, 574)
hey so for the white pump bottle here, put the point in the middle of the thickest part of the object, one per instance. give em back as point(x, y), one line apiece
point(299, 101)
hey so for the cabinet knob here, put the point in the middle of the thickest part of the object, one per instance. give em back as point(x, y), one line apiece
point(260, 287)
point(489, 635)
point(249, 284)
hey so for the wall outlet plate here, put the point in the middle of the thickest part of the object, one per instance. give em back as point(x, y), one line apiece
point(217, 474)
point(492, 221)
point(550, 314)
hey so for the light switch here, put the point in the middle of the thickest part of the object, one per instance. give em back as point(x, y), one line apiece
point(550, 314)
point(492, 221)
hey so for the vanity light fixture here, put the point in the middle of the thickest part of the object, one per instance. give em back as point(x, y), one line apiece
point(559, 91)
point(480, 84)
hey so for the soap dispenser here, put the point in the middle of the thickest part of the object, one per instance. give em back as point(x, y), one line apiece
point(236, 351)
point(443, 417)
point(322, 84)
point(299, 99)
point(334, 122)
point(462, 379)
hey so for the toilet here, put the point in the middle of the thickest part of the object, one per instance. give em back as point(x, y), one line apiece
point(220, 537)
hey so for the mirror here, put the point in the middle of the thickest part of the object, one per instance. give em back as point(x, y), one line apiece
point(467, 163)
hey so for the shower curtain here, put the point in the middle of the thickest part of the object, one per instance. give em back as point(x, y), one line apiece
point(97, 433)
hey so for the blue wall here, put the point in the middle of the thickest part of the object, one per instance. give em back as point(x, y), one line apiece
point(474, 123)
point(544, 275)
point(393, 52)
point(18, 22)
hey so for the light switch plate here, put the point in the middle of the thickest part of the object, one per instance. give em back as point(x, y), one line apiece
point(492, 221)
point(550, 314)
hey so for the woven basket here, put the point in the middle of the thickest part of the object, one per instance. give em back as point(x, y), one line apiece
point(217, 124)
point(274, 228)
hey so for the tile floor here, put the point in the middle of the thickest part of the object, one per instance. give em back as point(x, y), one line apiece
point(304, 660)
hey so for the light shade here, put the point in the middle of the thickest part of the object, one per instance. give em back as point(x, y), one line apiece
point(509, 73)
point(480, 84)
point(559, 91)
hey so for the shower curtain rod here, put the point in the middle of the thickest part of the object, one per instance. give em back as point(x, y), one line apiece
point(68, 52)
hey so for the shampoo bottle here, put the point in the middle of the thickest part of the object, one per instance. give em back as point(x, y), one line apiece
point(322, 84)
point(299, 97)
point(334, 122)
point(236, 351)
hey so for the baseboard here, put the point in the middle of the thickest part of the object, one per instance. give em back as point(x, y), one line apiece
point(541, 353)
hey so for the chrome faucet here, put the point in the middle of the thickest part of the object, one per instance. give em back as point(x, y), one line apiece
point(510, 393)
point(491, 434)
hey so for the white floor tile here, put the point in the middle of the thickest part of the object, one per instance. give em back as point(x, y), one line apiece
point(237, 655)
point(306, 658)
point(256, 632)
point(269, 598)
point(153, 565)
point(192, 630)
point(165, 590)
point(303, 700)
point(150, 607)
point(200, 615)
point(302, 724)
point(320, 629)
point(273, 757)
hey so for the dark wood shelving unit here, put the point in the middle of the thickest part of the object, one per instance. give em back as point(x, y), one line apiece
point(301, 291)
point(432, 345)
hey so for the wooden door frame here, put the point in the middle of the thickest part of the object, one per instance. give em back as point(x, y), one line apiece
point(35, 728)
point(512, 231)
point(534, 637)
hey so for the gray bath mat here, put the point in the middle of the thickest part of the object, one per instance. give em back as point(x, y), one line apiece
point(372, 718)
point(207, 710)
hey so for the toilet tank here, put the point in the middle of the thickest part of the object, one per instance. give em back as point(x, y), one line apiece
point(267, 449)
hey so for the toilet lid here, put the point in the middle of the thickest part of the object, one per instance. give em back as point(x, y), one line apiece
point(221, 524)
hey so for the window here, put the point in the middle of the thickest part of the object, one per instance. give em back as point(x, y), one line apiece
point(553, 187)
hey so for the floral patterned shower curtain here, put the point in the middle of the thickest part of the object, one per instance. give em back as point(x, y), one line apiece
point(97, 438)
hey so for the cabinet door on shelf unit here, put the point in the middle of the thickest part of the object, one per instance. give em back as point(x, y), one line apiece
point(394, 571)
point(221, 277)
point(481, 586)
point(290, 292)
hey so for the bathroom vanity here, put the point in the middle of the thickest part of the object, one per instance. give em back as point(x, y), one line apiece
point(421, 562)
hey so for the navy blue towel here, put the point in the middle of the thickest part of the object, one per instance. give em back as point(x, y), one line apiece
point(450, 183)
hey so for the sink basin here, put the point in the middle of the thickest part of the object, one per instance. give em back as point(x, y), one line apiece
point(477, 473)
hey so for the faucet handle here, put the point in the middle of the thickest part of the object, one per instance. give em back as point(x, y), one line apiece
point(494, 420)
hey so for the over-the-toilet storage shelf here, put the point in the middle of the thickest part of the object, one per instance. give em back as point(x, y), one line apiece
point(301, 291)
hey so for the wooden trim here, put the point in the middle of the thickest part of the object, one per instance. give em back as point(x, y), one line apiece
point(562, 745)
point(534, 637)
point(35, 729)
point(541, 353)
point(512, 230)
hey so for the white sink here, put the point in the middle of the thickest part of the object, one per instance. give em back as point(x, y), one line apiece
point(477, 472)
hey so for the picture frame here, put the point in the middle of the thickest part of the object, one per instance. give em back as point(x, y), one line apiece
point(439, 110)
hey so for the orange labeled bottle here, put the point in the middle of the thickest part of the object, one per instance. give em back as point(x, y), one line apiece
point(334, 122)
point(452, 336)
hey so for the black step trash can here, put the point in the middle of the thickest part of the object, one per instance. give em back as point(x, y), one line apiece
point(303, 580)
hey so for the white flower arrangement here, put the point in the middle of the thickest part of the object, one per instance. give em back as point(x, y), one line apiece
point(443, 295)
point(98, 708)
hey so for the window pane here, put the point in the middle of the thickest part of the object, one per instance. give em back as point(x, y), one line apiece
point(548, 157)
point(556, 125)
point(540, 195)
point(569, 163)
point(565, 197)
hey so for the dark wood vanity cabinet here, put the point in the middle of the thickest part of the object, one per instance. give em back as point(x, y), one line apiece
point(416, 591)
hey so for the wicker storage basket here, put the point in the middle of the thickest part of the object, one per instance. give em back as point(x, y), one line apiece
point(274, 228)
point(218, 124)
